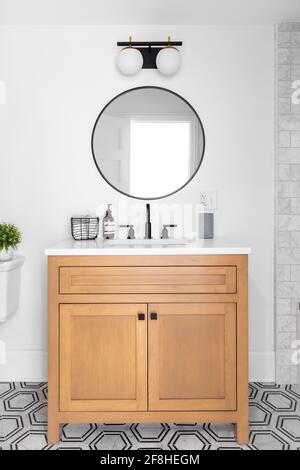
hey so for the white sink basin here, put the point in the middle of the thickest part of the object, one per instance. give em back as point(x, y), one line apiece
point(151, 242)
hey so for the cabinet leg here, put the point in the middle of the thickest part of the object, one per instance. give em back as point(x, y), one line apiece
point(242, 432)
point(53, 431)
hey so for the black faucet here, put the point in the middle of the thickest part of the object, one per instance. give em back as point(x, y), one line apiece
point(148, 223)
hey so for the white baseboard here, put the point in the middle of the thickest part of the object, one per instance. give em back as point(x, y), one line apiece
point(24, 366)
point(31, 366)
point(262, 366)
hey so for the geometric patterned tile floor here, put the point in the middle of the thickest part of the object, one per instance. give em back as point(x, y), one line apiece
point(274, 424)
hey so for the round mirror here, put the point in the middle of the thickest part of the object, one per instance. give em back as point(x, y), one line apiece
point(148, 142)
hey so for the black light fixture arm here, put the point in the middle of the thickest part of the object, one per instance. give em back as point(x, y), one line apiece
point(148, 43)
point(149, 49)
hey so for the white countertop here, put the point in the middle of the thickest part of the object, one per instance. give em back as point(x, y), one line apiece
point(217, 246)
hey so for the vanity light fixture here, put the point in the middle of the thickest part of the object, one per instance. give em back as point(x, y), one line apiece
point(160, 55)
point(130, 60)
point(168, 59)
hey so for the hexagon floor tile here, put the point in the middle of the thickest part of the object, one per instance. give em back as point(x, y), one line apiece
point(274, 424)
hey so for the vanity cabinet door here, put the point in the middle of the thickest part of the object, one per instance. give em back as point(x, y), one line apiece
point(192, 356)
point(103, 357)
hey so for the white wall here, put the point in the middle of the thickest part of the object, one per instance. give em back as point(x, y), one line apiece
point(58, 79)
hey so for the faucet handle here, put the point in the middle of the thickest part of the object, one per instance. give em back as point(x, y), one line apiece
point(131, 234)
point(165, 233)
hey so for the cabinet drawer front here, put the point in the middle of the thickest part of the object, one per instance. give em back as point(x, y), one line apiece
point(147, 279)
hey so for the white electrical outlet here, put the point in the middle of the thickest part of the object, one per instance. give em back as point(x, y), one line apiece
point(208, 199)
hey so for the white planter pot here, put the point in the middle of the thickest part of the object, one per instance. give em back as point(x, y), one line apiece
point(6, 255)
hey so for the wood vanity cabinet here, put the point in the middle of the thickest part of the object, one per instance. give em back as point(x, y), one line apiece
point(148, 339)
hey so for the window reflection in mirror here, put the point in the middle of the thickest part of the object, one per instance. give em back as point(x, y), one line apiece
point(148, 142)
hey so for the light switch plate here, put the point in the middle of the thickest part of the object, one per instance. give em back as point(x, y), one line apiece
point(208, 199)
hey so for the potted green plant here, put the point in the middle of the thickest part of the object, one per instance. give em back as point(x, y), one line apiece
point(10, 237)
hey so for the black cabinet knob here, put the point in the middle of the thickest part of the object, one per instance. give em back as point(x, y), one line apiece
point(153, 316)
point(141, 316)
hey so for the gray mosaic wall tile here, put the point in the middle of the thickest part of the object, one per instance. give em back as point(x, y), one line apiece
point(295, 37)
point(295, 239)
point(295, 205)
point(286, 323)
point(283, 272)
point(295, 273)
point(285, 72)
point(289, 255)
point(295, 55)
point(283, 239)
point(289, 122)
point(289, 26)
point(288, 155)
point(284, 38)
point(288, 189)
point(287, 201)
point(285, 340)
point(284, 206)
point(289, 222)
point(284, 56)
point(284, 139)
point(284, 90)
point(295, 142)
point(284, 357)
point(295, 72)
point(284, 172)
point(283, 306)
point(295, 108)
point(284, 106)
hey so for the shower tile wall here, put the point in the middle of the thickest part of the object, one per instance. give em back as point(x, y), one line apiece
point(287, 200)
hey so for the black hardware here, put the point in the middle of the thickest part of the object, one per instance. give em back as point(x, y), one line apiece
point(153, 316)
point(99, 117)
point(131, 234)
point(149, 50)
point(165, 233)
point(149, 43)
point(148, 223)
point(141, 316)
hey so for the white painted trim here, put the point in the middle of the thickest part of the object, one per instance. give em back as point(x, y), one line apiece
point(24, 366)
point(262, 366)
point(31, 366)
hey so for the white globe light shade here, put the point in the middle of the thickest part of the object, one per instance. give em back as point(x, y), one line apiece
point(129, 61)
point(168, 60)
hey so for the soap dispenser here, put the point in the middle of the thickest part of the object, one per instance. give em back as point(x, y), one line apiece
point(109, 227)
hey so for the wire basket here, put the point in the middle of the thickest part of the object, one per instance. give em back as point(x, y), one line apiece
point(85, 228)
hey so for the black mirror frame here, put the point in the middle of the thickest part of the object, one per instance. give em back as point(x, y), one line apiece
point(141, 88)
